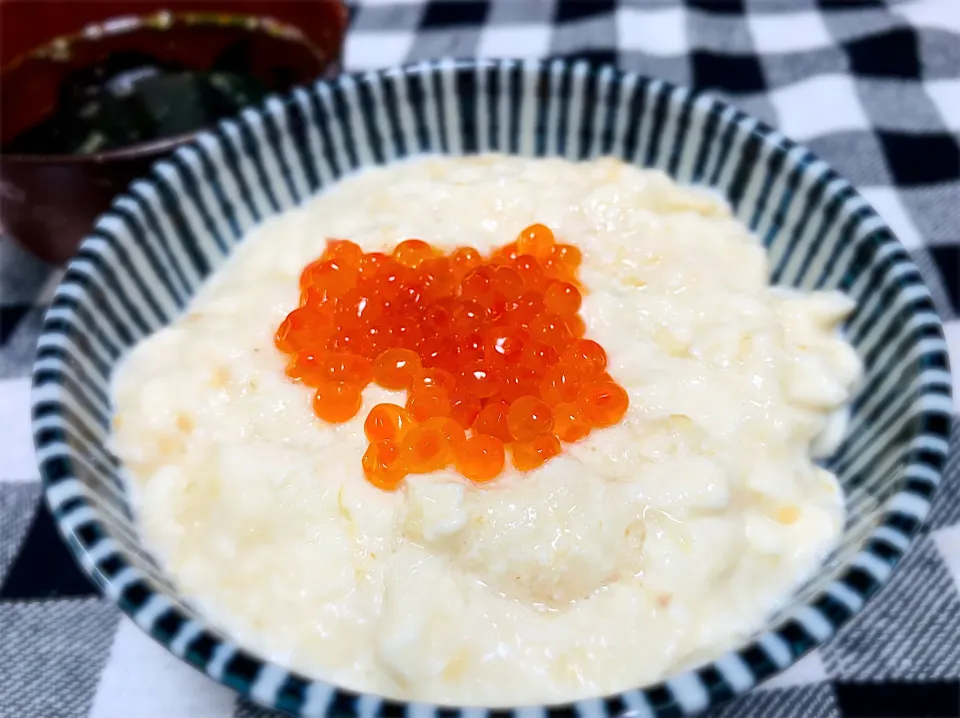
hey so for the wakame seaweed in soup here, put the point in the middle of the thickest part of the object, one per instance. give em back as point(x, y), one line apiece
point(133, 97)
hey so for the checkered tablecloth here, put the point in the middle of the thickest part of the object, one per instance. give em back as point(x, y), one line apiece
point(872, 86)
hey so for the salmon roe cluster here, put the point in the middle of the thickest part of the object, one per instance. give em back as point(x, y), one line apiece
point(490, 351)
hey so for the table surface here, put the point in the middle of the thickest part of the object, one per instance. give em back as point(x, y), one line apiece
point(871, 86)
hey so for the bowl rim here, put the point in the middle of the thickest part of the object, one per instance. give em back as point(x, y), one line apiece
point(158, 21)
point(687, 693)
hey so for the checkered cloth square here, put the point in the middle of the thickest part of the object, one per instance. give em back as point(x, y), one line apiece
point(872, 86)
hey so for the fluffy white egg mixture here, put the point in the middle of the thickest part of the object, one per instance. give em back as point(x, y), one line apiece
point(648, 546)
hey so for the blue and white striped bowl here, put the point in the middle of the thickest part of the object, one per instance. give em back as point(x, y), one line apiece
point(147, 256)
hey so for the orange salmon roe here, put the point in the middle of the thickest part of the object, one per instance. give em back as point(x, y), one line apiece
point(602, 403)
point(528, 417)
point(568, 423)
point(537, 241)
point(387, 421)
point(426, 449)
point(533, 453)
point(382, 464)
point(336, 401)
point(481, 458)
point(490, 350)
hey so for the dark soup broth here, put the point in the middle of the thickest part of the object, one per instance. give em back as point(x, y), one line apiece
point(134, 97)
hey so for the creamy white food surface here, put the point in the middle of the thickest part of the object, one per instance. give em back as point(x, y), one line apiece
point(648, 546)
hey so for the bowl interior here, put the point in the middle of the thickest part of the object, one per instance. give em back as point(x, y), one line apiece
point(146, 258)
point(277, 55)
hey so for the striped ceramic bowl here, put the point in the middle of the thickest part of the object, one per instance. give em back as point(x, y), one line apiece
point(176, 226)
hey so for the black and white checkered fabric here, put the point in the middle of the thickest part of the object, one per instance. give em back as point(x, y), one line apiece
point(871, 86)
